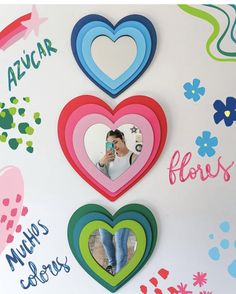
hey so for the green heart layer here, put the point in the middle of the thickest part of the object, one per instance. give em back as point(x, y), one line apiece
point(90, 217)
point(130, 266)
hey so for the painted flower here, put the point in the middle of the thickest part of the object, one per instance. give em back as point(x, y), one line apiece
point(193, 91)
point(206, 144)
point(226, 112)
point(200, 279)
point(182, 289)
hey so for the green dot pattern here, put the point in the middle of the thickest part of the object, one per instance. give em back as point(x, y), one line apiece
point(11, 116)
point(26, 99)
point(30, 149)
point(13, 143)
point(21, 112)
point(14, 100)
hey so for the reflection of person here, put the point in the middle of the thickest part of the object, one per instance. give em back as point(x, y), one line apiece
point(117, 254)
point(116, 161)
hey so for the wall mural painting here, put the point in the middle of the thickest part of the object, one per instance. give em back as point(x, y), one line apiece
point(166, 147)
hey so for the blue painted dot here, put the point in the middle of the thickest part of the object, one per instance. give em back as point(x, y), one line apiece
point(224, 244)
point(211, 236)
point(225, 227)
point(214, 253)
point(232, 269)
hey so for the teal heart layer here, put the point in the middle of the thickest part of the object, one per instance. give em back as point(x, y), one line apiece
point(90, 27)
point(90, 216)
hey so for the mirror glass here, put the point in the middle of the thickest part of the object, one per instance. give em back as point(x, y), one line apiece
point(113, 58)
point(112, 252)
point(113, 151)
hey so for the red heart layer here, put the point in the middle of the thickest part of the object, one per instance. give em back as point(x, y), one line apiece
point(84, 111)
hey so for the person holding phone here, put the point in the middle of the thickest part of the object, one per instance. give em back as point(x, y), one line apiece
point(118, 158)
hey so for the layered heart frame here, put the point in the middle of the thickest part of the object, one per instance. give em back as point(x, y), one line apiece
point(93, 26)
point(84, 111)
point(92, 217)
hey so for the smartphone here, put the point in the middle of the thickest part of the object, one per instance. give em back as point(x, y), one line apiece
point(110, 146)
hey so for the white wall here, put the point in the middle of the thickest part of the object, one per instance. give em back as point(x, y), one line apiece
point(186, 213)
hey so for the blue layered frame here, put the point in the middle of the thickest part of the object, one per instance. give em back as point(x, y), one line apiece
point(90, 27)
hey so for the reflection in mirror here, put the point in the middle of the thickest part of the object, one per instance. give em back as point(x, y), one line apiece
point(112, 252)
point(113, 58)
point(113, 151)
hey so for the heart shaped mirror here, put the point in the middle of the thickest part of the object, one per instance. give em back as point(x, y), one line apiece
point(113, 56)
point(112, 252)
point(119, 55)
point(113, 151)
point(133, 228)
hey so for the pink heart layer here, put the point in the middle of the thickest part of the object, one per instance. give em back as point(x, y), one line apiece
point(11, 204)
point(84, 111)
point(80, 155)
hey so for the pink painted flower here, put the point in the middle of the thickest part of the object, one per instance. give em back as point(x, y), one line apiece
point(200, 279)
point(182, 289)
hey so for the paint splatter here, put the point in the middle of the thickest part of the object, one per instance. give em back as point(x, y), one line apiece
point(225, 227)
point(143, 289)
point(182, 289)
point(232, 269)
point(224, 244)
point(199, 279)
point(215, 254)
point(10, 117)
point(37, 118)
point(163, 273)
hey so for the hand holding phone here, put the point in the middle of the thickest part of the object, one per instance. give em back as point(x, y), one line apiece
point(110, 146)
point(110, 151)
point(110, 154)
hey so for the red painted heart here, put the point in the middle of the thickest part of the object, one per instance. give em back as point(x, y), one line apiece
point(85, 111)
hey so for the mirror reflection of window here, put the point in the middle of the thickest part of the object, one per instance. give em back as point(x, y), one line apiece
point(115, 150)
point(139, 142)
point(112, 252)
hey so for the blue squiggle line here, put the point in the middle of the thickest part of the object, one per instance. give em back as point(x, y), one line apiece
point(226, 53)
point(234, 25)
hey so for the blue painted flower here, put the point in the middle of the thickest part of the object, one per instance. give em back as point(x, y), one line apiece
point(226, 112)
point(193, 91)
point(206, 144)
